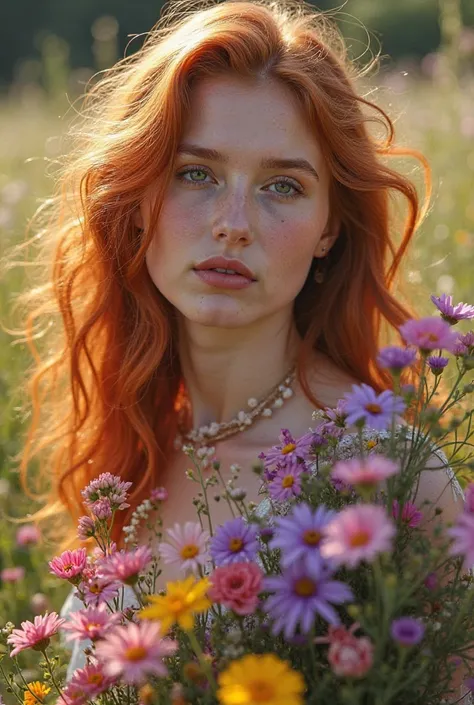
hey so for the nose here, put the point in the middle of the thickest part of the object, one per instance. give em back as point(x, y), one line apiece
point(232, 223)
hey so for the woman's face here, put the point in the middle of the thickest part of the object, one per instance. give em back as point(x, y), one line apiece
point(240, 202)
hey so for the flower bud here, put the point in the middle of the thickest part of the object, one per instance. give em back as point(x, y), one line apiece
point(39, 603)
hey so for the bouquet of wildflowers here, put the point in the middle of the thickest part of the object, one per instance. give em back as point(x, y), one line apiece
point(339, 587)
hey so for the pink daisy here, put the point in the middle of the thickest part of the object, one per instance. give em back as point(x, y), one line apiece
point(463, 534)
point(90, 623)
point(134, 651)
point(286, 484)
point(411, 515)
point(72, 694)
point(125, 566)
point(26, 535)
point(364, 471)
point(431, 333)
point(35, 635)
point(69, 565)
point(91, 680)
point(356, 534)
point(187, 547)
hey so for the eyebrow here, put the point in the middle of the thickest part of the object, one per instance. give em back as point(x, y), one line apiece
point(268, 163)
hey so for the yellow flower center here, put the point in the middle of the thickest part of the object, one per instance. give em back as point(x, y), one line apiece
point(261, 691)
point(371, 444)
point(176, 605)
point(305, 587)
point(95, 588)
point(288, 481)
point(288, 448)
point(312, 538)
point(135, 653)
point(360, 538)
point(92, 626)
point(235, 545)
point(96, 678)
point(433, 338)
point(189, 551)
point(374, 408)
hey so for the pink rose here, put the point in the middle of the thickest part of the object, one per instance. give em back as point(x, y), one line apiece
point(351, 657)
point(237, 586)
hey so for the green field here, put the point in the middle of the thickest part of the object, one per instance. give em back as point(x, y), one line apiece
point(433, 115)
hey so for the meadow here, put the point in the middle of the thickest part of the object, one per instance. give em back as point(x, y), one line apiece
point(433, 112)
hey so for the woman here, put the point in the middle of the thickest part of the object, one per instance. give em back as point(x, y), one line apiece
point(230, 223)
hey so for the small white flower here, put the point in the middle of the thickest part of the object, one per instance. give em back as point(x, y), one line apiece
point(187, 547)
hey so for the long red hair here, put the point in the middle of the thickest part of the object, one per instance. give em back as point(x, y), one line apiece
point(104, 390)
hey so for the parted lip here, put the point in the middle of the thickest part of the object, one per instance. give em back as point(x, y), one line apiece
point(225, 263)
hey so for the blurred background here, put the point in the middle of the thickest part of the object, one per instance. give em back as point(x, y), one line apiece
point(50, 50)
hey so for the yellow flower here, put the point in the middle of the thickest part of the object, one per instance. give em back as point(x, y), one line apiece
point(40, 691)
point(256, 680)
point(183, 599)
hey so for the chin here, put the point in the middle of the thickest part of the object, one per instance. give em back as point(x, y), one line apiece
point(218, 313)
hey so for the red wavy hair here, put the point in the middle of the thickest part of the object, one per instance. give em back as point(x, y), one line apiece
point(104, 394)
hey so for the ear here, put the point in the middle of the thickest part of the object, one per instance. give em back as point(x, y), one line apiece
point(329, 237)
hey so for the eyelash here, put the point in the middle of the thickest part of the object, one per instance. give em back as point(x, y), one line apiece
point(281, 180)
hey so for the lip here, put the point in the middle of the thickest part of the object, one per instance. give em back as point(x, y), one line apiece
point(225, 263)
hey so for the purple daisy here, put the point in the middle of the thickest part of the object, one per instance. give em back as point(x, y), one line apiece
point(299, 534)
point(437, 363)
point(396, 359)
point(301, 593)
point(234, 541)
point(459, 350)
point(408, 631)
point(452, 313)
point(374, 410)
point(428, 334)
point(290, 452)
point(467, 339)
point(286, 484)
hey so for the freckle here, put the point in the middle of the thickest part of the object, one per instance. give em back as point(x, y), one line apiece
point(283, 220)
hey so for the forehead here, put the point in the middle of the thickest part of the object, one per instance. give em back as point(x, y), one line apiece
point(249, 118)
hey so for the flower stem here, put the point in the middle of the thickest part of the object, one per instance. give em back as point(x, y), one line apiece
point(202, 660)
point(50, 666)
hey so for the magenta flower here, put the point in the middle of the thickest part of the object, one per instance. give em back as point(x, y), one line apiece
point(72, 694)
point(159, 494)
point(237, 586)
point(90, 680)
point(85, 528)
point(358, 533)
point(469, 498)
point(125, 566)
point(452, 314)
point(459, 350)
point(290, 452)
point(301, 593)
point(286, 483)
point(299, 534)
point(233, 542)
point(12, 575)
point(97, 591)
point(107, 486)
point(463, 534)
point(69, 565)
point(395, 358)
point(437, 363)
point(427, 334)
point(364, 472)
point(90, 623)
point(35, 635)
point(374, 410)
point(134, 652)
point(411, 515)
point(407, 631)
point(28, 535)
point(187, 547)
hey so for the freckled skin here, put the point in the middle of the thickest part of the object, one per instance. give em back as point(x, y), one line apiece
point(238, 209)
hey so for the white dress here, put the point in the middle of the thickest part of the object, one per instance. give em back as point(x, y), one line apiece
point(346, 449)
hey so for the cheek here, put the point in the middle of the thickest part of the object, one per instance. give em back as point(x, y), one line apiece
point(290, 248)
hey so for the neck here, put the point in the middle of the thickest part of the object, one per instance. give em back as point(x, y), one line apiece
point(223, 368)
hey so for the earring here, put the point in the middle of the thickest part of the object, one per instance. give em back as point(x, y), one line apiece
point(319, 274)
